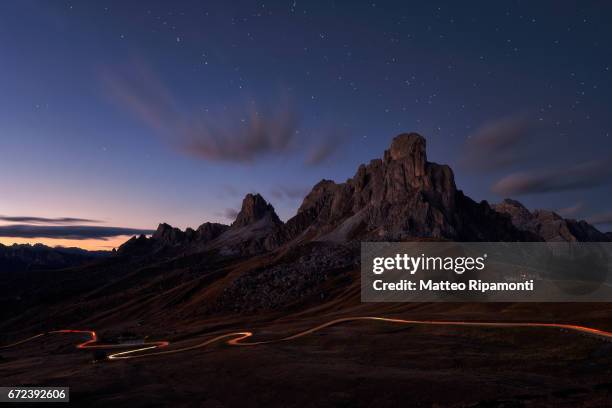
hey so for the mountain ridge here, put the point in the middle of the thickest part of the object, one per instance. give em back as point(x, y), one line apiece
point(400, 196)
point(262, 265)
point(23, 257)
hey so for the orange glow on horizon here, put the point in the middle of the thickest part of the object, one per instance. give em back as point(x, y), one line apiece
point(88, 244)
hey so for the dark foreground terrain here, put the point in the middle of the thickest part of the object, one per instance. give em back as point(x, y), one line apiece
point(352, 364)
point(276, 278)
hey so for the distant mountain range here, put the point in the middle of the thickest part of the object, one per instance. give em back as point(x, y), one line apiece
point(259, 263)
point(399, 197)
point(34, 257)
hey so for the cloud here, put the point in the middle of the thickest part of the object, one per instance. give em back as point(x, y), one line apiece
point(76, 232)
point(577, 177)
point(238, 135)
point(289, 193)
point(230, 213)
point(601, 218)
point(326, 143)
point(42, 220)
point(571, 211)
point(228, 190)
point(137, 89)
point(323, 151)
point(499, 144)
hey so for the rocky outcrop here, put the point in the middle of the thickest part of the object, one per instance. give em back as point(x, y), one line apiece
point(170, 239)
point(312, 271)
point(168, 235)
point(255, 208)
point(254, 229)
point(549, 225)
point(398, 197)
point(209, 231)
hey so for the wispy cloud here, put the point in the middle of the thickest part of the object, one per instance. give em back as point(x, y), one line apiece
point(571, 211)
point(240, 135)
point(76, 232)
point(325, 149)
point(228, 190)
point(230, 213)
point(499, 144)
point(43, 220)
point(141, 92)
point(601, 218)
point(245, 133)
point(577, 177)
point(289, 193)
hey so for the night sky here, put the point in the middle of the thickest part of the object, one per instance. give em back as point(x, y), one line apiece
point(120, 114)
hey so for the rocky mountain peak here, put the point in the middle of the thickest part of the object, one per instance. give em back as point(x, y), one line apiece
point(255, 208)
point(399, 196)
point(409, 147)
point(167, 234)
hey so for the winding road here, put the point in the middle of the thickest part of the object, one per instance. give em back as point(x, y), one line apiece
point(239, 338)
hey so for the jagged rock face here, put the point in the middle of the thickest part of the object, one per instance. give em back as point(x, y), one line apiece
point(400, 196)
point(209, 231)
point(168, 235)
point(255, 229)
point(548, 225)
point(255, 208)
point(167, 238)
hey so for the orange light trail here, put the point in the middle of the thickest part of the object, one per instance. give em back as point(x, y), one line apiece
point(92, 343)
point(238, 338)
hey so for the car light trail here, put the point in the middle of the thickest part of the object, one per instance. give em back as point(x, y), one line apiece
point(239, 338)
point(92, 343)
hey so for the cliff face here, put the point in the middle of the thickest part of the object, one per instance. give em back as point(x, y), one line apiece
point(255, 208)
point(252, 230)
point(399, 196)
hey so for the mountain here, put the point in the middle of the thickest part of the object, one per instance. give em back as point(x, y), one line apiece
point(24, 257)
point(259, 264)
point(401, 196)
point(398, 197)
point(250, 233)
point(168, 240)
point(276, 279)
point(549, 225)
